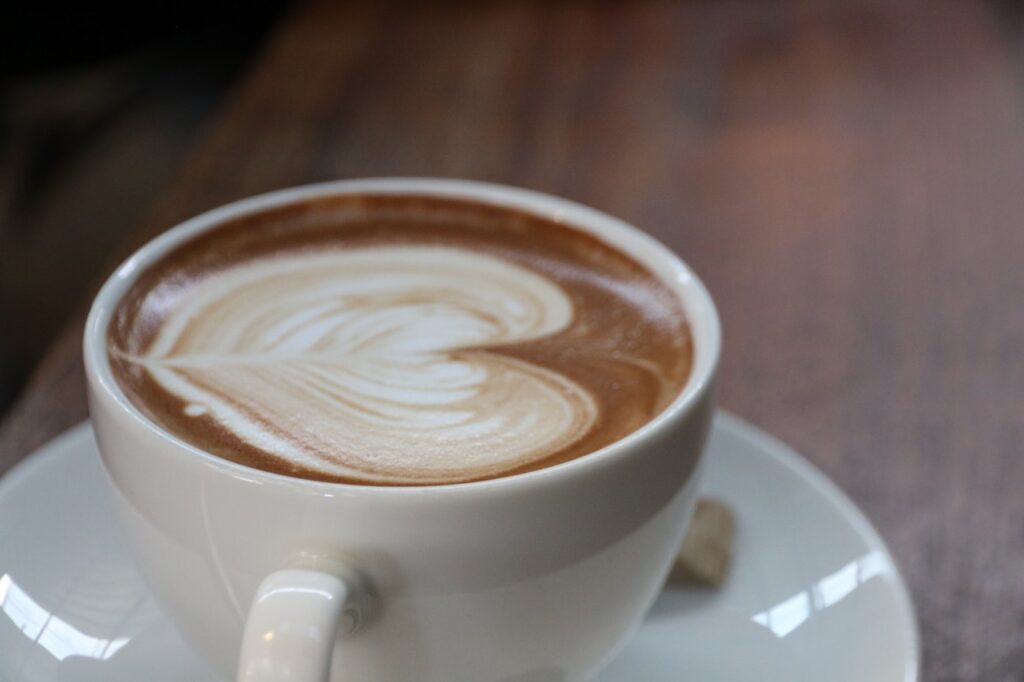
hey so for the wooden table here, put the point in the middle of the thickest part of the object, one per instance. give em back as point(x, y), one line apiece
point(848, 178)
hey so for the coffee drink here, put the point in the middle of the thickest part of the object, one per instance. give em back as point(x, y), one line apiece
point(386, 339)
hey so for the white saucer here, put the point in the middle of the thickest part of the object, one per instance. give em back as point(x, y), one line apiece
point(813, 595)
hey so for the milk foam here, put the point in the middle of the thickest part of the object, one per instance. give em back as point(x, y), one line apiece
point(380, 364)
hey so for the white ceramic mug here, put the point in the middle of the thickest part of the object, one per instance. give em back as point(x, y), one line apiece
point(534, 577)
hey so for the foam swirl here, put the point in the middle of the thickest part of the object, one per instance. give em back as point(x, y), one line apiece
point(381, 364)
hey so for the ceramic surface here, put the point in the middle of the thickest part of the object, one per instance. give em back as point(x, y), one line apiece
point(532, 576)
point(813, 595)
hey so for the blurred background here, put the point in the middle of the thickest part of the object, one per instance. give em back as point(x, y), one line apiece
point(98, 106)
point(847, 176)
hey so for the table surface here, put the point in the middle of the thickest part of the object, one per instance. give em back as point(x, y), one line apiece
point(845, 176)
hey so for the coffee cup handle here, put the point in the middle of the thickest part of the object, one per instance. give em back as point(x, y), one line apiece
point(293, 624)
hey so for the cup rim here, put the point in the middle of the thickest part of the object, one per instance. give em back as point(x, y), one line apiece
point(664, 263)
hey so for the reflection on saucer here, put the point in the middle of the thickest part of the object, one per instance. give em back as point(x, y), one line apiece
point(791, 613)
point(47, 630)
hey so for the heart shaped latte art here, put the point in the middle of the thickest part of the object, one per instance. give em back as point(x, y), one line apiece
point(381, 364)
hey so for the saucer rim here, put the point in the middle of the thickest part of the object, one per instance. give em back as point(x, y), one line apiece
point(753, 436)
point(787, 457)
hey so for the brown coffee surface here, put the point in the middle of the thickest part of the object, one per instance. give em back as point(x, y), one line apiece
point(398, 340)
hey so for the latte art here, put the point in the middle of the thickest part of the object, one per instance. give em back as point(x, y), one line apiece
point(377, 363)
point(393, 340)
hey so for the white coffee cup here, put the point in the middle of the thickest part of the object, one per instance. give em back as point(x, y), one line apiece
point(534, 577)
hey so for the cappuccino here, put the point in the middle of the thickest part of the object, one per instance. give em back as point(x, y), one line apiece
point(384, 339)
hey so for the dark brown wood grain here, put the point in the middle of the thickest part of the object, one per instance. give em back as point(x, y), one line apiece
point(848, 177)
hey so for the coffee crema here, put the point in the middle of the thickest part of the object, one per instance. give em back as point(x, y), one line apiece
point(398, 340)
